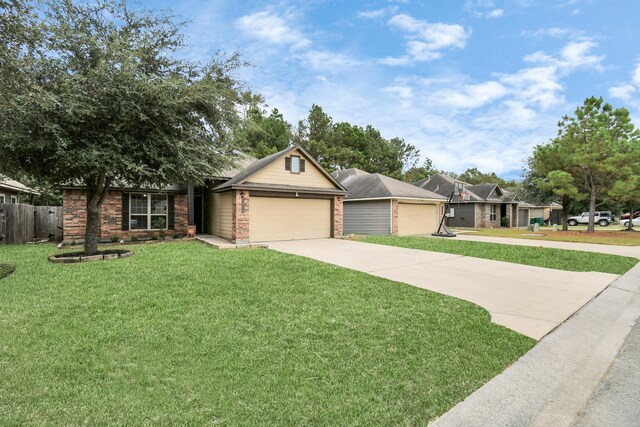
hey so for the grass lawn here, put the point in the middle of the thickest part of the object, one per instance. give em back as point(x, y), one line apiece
point(527, 255)
point(184, 334)
point(611, 235)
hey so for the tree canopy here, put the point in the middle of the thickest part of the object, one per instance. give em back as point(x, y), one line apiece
point(343, 145)
point(595, 155)
point(259, 134)
point(475, 176)
point(92, 93)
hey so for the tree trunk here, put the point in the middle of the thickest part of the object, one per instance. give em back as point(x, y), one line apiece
point(95, 192)
point(566, 207)
point(591, 227)
point(92, 230)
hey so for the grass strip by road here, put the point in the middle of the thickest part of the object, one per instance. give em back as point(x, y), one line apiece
point(528, 255)
point(182, 334)
point(612, 235)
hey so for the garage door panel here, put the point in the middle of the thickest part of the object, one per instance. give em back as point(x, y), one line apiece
point(417, 219)
point(370, 217)
point(272, 218)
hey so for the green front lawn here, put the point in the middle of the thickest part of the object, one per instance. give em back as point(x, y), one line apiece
point(182, 334)
point(528, 255)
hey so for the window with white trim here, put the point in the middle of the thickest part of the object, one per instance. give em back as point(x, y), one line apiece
point(494, 213)
point(295, 164)
point(148, 211)
point(2, 198)
point(14, 199)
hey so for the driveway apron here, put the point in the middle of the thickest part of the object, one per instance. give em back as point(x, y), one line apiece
point(526, 299)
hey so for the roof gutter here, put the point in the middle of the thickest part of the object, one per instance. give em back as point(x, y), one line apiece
point(364, 199)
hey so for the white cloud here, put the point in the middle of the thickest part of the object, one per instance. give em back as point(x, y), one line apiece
point(272, 29)
point(377, 13)
point(575, 54)
point(555, 32)
point(624, 92)
point(402, 92)
point(426, 40)
point(471, 96)
point(329, 61)
point(538, 85)
point(635, 76)
point(495, 13)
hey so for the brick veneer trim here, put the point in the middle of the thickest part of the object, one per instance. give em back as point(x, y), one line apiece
point(75, 216)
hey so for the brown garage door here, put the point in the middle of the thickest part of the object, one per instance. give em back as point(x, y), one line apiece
point(272, 218)
point(417, 219)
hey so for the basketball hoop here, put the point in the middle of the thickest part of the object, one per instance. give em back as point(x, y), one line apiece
point(465, 196)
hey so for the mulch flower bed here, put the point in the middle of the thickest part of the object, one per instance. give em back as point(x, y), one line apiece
point(71, 257)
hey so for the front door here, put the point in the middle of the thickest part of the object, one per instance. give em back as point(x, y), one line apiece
point(198, 207)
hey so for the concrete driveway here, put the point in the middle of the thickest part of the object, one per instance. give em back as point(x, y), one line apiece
point(529, 300)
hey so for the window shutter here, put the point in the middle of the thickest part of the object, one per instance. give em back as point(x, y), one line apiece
point(301, 165)
point(171, 212)
point(287, 163)
point(125, 211)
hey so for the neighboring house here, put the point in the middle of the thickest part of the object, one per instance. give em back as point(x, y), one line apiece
point(378, 204)
point(12, 191)
point(284, 196)
point(550, 213)
point(487, 204)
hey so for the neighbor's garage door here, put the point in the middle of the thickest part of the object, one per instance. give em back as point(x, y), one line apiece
point(416, 219)
point(523, 217)
point(272, 218)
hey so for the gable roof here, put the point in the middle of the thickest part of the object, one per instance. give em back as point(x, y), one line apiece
point(486, 191)
point(242, 162)
point(479, 193)
point(9, 184)
point(442, 184)
point(364, 185)
point(257, 165)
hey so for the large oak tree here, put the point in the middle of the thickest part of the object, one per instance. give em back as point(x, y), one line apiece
point(93, 93)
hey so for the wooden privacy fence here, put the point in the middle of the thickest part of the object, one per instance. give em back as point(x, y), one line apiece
point(21, 223)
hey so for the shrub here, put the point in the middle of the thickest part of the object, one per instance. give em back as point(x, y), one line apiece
point(114, 239)
point(176, 235)
point(134, 238)
point(155, 236)
point(162, 234)
point(504, 221)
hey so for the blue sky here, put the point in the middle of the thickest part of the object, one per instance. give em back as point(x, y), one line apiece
point(474, 83)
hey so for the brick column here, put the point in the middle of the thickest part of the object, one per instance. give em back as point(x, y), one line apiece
point(394, 217)
point(337, 217)
point(240, 216)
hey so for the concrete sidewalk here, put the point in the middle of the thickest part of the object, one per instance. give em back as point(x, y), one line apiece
point(530, 300)
point(554, 383)
point(631, 251)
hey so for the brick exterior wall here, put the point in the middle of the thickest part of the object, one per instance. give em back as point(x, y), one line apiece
point(394, 217)
point(337, 216)
point(75, 216)
point(483, 215)
point(240, 217)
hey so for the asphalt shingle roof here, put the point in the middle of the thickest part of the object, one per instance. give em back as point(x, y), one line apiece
point(364, 185)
